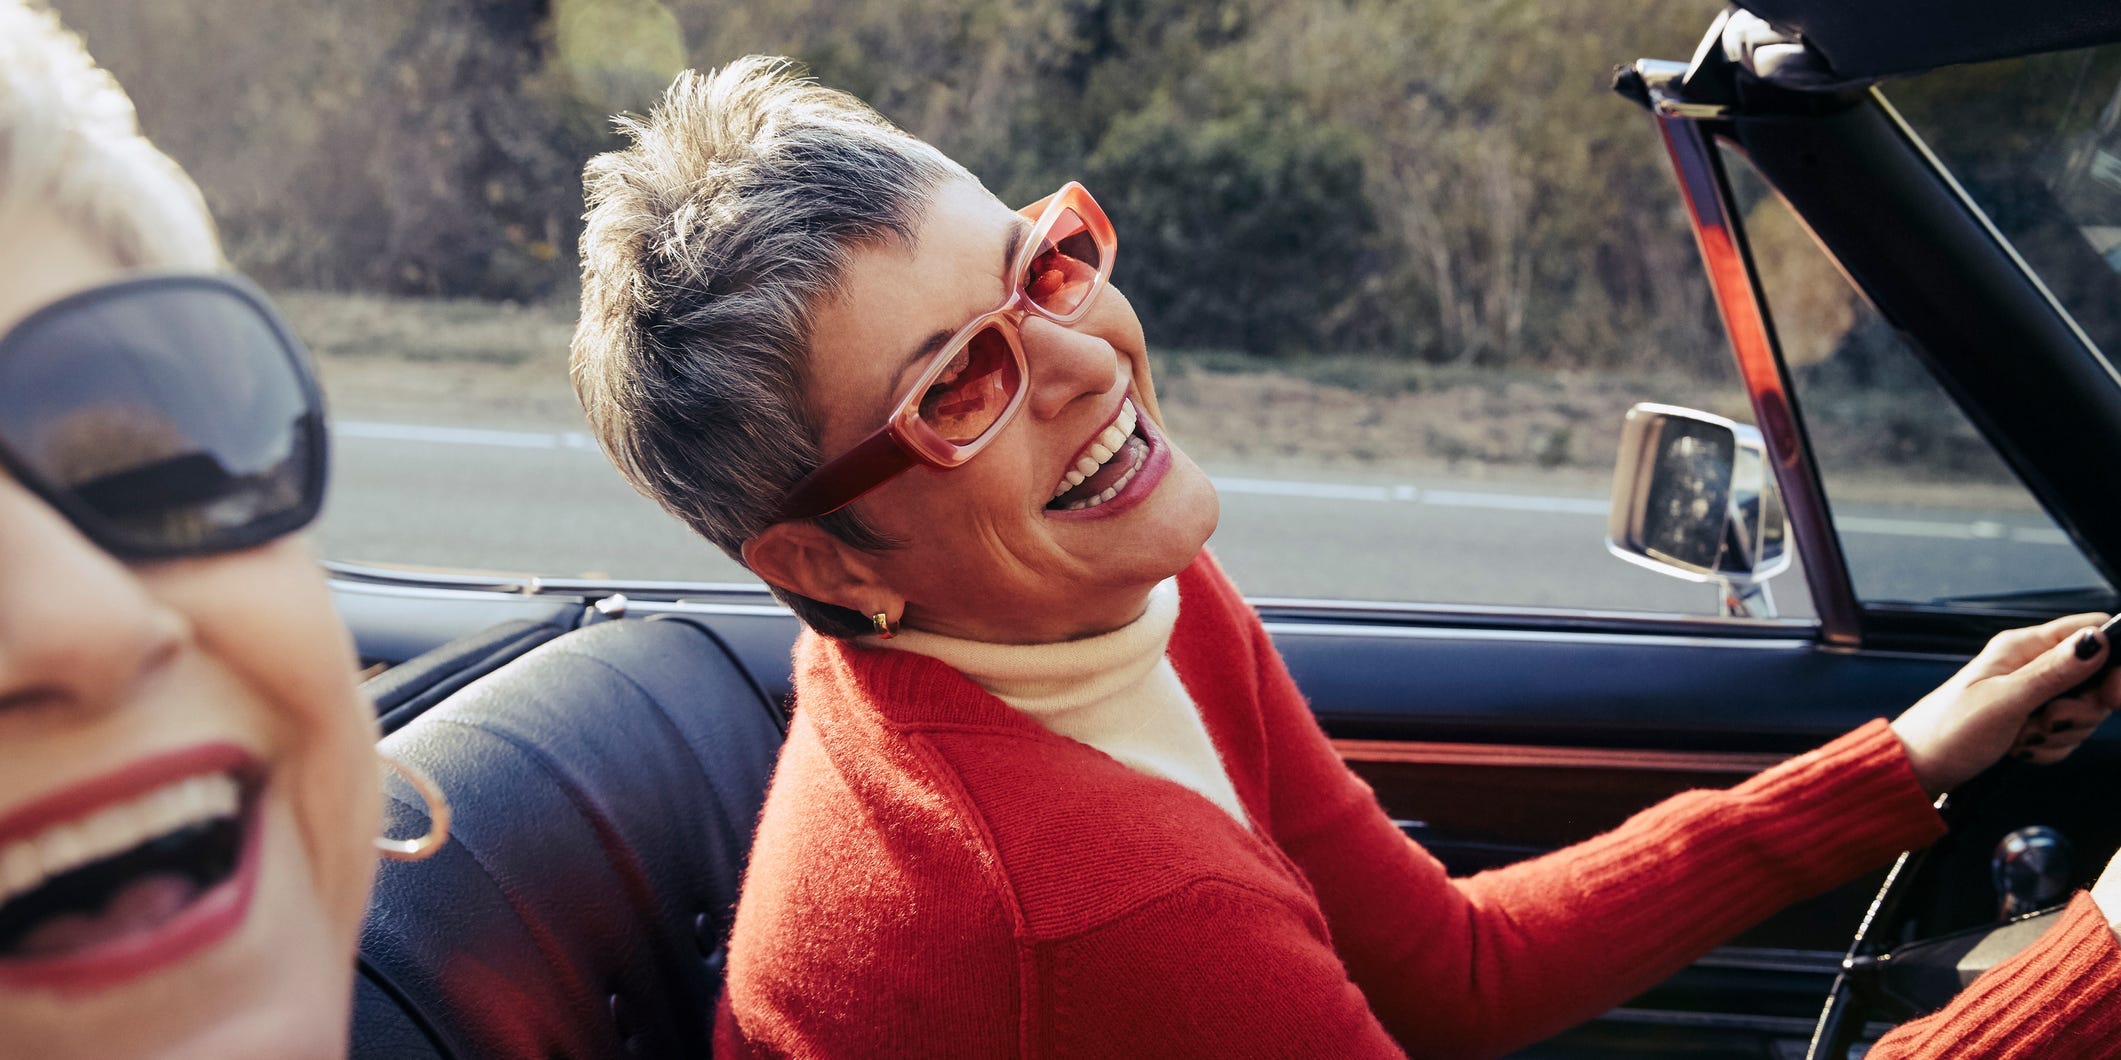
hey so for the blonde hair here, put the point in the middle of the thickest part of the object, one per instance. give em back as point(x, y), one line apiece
point(70, 142)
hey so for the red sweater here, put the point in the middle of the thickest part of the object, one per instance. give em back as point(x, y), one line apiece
point(937, 875)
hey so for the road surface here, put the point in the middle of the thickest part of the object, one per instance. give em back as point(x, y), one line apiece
point(546, 502)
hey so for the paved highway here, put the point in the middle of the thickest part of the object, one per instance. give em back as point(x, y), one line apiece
point(546, 502)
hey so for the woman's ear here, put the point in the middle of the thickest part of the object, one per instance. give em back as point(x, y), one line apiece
point(803, 558)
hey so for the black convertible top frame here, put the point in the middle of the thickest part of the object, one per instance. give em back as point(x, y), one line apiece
point(1868, 39)
point(1929, 260)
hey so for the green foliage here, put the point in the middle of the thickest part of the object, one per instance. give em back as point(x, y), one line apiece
point(1245, 230)
point(1413, 180)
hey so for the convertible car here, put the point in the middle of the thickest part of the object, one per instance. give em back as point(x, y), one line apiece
point(607, 744)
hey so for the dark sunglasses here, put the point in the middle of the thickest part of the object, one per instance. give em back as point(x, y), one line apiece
point(164, 416)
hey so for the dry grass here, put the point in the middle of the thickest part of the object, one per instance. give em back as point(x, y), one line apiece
point(501, 364)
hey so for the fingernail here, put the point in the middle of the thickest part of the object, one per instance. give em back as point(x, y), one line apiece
point(2062, 726)
point(2036, 739)
point(2087, 644)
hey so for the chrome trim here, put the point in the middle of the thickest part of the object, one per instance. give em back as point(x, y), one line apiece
point(693, 607)
point(532, 584)
point(1745, 319)
point(431, 592)
point(1660, 640)
point(1753, 635)
point(1770, 959)
point(1332, 617)
point(1504, 612)
point(1662, 78)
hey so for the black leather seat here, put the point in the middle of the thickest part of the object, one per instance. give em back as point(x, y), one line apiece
point(605, 788)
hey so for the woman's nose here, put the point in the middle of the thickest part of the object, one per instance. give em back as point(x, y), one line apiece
point(1066, 364)
point(77, 627)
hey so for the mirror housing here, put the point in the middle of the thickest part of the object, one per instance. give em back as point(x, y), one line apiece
point(1692, 498)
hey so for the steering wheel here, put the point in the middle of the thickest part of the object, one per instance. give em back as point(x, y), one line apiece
point(1881, 980)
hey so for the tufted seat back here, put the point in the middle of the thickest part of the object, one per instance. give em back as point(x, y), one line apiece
point(605, 787)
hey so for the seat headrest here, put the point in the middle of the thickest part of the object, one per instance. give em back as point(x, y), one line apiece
point(605, 787)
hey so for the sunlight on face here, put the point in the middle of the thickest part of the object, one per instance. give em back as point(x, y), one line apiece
point(986, 554)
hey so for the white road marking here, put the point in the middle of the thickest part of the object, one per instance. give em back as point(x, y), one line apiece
point(1516, 502)
point(1404, 493)
point(413, 432)
point(1336, 491)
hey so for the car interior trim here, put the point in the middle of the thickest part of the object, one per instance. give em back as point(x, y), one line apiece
point(1773, 959)
point(1733, 282)
point(1543, 757)
point(1790, 1026)
point(1322, 629)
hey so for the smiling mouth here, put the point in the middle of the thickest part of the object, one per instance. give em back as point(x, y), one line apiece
point(123, 871)
point(1103, 469)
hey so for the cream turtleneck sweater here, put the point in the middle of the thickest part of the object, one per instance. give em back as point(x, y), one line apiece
point(1115, 691)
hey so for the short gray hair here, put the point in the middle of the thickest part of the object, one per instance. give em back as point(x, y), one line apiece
point(69, 140)
point(707, 243)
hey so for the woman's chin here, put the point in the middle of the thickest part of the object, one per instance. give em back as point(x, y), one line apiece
point(278, 983)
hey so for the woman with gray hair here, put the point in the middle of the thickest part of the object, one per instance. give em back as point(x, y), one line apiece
point(1048, 790)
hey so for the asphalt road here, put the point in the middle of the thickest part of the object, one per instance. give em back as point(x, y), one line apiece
point(546, 502)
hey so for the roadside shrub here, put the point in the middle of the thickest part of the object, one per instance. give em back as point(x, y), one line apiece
point(1247, 230)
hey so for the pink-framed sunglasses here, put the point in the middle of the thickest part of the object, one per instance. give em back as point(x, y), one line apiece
point(975, 383)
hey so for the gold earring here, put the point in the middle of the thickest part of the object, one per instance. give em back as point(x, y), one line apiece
point(882, 623)
point(437, 815)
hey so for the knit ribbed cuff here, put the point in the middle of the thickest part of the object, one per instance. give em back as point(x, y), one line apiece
point(2059, 999)
point(1792, 832)
point(1844, 808)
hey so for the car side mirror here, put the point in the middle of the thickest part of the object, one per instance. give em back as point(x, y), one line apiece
point(1692, 498)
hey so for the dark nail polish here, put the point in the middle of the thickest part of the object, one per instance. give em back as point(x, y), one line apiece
point(2061, 726)
point(2087, 644)
point(2036, 739)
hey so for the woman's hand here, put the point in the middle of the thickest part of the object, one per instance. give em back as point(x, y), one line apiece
point(2021, 695)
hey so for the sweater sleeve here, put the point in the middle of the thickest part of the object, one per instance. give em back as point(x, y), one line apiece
point(1477, 966)
point(2060, 999)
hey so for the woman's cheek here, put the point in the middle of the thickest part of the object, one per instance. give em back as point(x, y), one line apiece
point(292, 652)
point(1125, 333)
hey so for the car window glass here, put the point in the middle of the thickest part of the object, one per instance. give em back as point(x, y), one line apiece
point(1398, 319)
point(1926, 510)
point(2037, 143)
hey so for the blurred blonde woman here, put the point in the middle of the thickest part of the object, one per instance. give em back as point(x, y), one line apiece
point(188, 777)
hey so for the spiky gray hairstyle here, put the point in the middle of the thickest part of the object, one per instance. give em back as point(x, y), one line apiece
point(707, 244)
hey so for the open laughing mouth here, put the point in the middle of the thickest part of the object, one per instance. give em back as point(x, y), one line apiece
point(1104, 469)
point(117, 877)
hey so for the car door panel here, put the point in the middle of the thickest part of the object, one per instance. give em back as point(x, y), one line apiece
point(1488, 742)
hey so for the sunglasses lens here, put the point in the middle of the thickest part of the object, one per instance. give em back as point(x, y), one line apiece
point(1063, 274)
point(972, 392)
point(173, 415)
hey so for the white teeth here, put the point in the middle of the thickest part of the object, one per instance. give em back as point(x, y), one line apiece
point(1097, 454)
point(1069, 481)
point(26, 864)
point(1109, 491)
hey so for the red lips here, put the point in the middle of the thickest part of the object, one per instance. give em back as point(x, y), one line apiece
point(210, 917)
